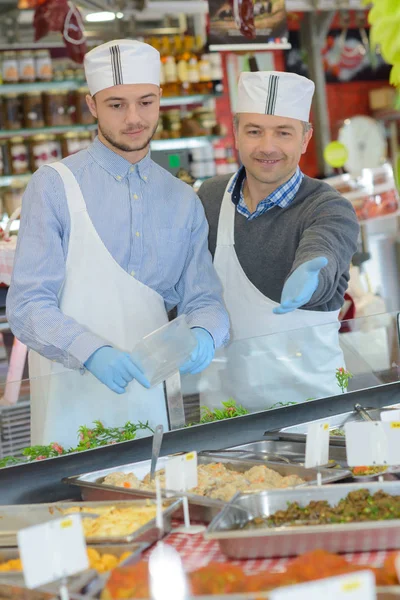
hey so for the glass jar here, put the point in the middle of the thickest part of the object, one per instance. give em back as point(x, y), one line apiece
point(12, 197)
point(54, 148)
point(43, 65)
point(26, 66)
point(55, 106)
point(10, 67)
point(2, 115)
point(12, 111)
point(70, 143)
point(33, 110)
point(69, 75)
point(4, 158)
point(83, 114)
point(85, 139)
point(40, 151)
point(172, 123)
point(19, 156)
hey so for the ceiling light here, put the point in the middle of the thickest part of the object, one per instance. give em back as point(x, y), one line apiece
point(98, 17)
point(119, 15)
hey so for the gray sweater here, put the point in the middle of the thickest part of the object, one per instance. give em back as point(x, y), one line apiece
point(319, 222)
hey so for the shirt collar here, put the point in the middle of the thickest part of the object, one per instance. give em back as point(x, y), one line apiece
point(236, 186)
point(116, 165)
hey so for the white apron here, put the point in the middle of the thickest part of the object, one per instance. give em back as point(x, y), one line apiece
point(258, 369)
point(101, 296)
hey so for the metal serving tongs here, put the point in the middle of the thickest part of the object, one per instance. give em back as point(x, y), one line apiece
point(155, 452)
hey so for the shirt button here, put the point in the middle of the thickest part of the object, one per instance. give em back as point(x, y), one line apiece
point(135, 197)
point(131, 169)
point(133, 273)
point(118, 177)
point(144, 177)
point(137, 234)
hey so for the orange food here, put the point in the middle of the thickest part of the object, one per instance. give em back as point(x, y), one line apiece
point(222, 578)
point(127, 484)
point(218, 578)
point(129, 582)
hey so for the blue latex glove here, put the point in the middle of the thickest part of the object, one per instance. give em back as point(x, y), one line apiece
point(114, 368)
point(202, 355)
point(301, 285)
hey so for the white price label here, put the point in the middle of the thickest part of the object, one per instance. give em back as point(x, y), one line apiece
point(375, 443)
point(52, 550)
point(390, 415)
point(357, 586)
point(317, 445)
point(181, 472)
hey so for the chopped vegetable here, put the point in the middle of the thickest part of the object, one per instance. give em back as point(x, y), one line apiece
point(355, 507)
point(365, 471)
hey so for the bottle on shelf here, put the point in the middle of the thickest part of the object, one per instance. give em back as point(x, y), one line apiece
point(26, 67)
point(43, 65)
point(216, 72)
point(182, 67)
point(193, 66)
point(10, 67)
point(205, 85)
point(171, 85)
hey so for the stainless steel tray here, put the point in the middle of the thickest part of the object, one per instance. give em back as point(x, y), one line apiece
point(335, 422)
point(202, 508)
point(291, 540)
point(15, 517)
point(293, 450)
point(78, 583)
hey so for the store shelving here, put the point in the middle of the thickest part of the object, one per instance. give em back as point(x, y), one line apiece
point(7, 180)
point(73, 84)
point(9, 133)
point(42, 86)
point(170, 144)
point(184, 143)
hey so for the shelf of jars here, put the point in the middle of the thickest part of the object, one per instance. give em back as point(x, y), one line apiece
point(72, 85)
point(47, 130)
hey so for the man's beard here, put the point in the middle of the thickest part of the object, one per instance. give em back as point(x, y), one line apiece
point(125, 148)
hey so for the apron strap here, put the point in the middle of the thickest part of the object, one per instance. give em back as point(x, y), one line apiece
point(226, 221)
point(73, 192)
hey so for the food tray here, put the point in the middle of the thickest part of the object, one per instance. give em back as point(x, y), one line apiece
point(292, 540)
point(15, 517)
point(79, 582)
point(202, 509)
point(293, 450)
point(298, 432)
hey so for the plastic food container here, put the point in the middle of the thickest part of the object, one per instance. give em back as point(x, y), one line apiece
point(161, 353)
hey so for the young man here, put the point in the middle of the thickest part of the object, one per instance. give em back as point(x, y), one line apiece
point(282, 245)
point(108, 241)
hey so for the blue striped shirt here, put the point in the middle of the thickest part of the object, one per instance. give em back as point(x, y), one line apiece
point(151, 223)
point(283, 196)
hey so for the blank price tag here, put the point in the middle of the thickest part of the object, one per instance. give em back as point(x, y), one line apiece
point(357, 586)
point(375, 443)
point(181, 472)
point(52, 550)
point(317, 445)
point(390, 415)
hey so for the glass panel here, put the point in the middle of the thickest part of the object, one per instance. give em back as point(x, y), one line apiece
point(295, 366)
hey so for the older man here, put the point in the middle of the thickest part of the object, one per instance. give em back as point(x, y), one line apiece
point(282, 245)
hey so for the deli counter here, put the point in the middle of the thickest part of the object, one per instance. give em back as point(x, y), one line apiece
point(201, 407)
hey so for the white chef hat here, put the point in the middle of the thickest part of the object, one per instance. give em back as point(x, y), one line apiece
point(120, 62)
point(275, 93)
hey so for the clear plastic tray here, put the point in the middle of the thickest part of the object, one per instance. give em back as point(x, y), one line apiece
point(161, 353)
